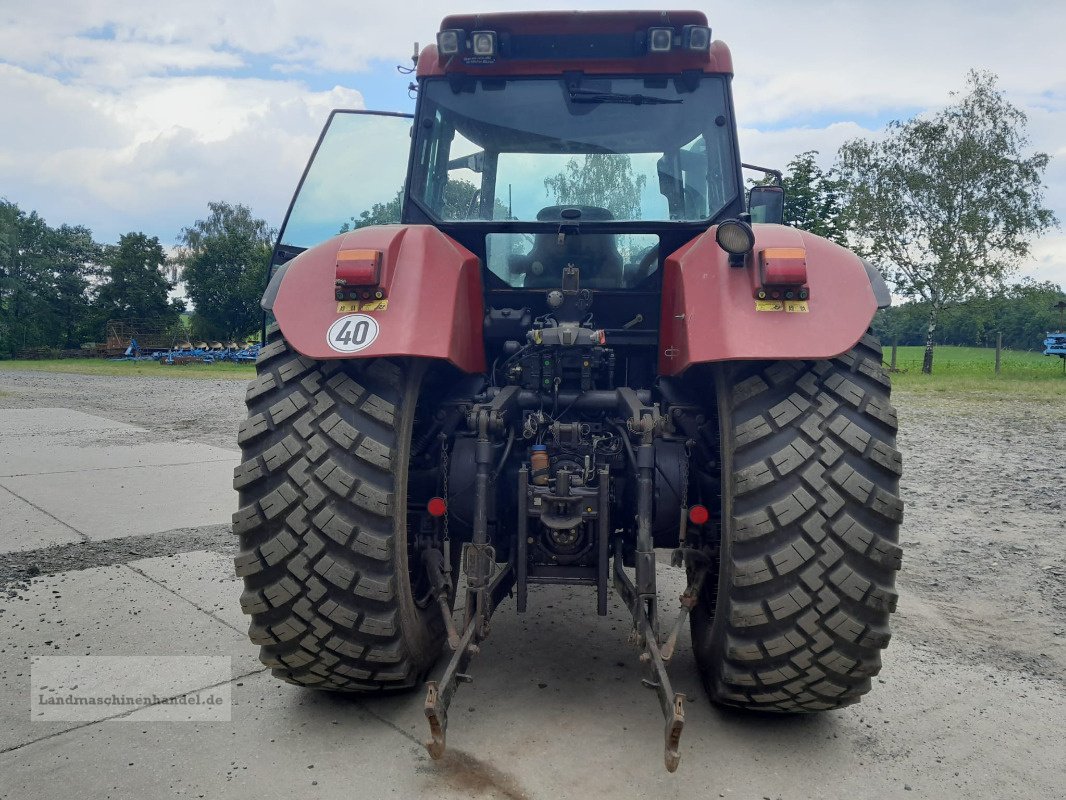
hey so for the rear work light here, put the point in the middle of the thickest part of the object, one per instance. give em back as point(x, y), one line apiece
point(450, 42)
point(483, 44)
point(660, 40)
point(696, 37)
point(735, 237)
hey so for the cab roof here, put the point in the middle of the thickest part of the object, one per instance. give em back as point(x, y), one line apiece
point(554, 42)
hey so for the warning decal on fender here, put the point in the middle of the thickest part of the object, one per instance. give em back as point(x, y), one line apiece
point(352, 333)
point(769, 305)
point(351, 306)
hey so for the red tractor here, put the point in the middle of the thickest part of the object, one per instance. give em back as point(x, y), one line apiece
point(536, 331)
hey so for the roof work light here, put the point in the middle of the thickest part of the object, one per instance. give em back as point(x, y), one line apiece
point(696, 37)
point(660, 40)
point(449, 42)
point(483, 43)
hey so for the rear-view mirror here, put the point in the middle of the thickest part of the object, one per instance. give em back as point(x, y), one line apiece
point(767, 204)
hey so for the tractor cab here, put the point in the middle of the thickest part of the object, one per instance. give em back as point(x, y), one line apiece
point(603, 151)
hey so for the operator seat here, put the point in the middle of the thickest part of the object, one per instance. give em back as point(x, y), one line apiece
point(595, 254)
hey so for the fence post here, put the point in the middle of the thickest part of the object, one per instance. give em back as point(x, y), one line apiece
point(892, 366)
point(999, 350)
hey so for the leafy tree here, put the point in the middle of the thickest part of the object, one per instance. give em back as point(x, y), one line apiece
point(224, 261)
point(44, 281)
point(460, 201)
point(599, 179)
point(949, 202)
point(814, 198)
point(75, 259)
point(25, 279)
point(135, 284)
point(378, 214)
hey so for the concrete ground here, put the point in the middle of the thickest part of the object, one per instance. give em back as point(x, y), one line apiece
point(115, 540)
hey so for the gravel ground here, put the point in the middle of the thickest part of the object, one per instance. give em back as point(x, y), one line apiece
point(190, 408)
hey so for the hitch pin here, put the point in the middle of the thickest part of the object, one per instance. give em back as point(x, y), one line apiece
point(639, 318)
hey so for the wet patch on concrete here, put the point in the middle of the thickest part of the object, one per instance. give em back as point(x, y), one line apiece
point(472, 777)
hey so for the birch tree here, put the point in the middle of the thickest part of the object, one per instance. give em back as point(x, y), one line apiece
point(948, 203)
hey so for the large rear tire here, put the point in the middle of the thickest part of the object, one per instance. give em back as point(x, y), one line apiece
point(323, 522)
point(809, 550)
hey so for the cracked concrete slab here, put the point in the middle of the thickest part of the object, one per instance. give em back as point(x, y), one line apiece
point(115, 503)
point(556, 711)
point(22, 564)
point(206, 580)
point(106, 611)
point(58, 441)
point(105, 479)
point(24, 527)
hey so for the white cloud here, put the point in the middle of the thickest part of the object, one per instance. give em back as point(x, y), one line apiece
point(152, 156)
point(774, 148)
point(1047, 262)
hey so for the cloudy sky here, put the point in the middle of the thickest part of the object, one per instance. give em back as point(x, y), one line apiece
point(131, 115)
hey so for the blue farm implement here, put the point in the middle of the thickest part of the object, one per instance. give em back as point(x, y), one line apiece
point(1055, 345)
point(211, 355)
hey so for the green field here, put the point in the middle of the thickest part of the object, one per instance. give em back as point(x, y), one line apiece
point(102, 366)
point(970, 371)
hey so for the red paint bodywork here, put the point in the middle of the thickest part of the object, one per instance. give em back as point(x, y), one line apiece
point(708, 307)
point(567, 23)
point(433, 285)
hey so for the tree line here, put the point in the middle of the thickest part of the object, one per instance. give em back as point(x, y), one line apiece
point(59, 287)
point(1022, 313)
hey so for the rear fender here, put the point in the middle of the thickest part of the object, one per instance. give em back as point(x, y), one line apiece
point(710, 313)
point(432, 306)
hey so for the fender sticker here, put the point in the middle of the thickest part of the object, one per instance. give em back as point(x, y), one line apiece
point(351, 306)
point(352, 333)
point(789, 306)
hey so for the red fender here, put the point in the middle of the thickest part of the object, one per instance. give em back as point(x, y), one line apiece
point(433, 300)
point(709, 310)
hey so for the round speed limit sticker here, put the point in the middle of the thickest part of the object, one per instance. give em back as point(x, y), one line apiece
point(352, 333)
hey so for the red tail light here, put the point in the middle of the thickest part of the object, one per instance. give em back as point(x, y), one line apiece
point(783, 266)
point(358, 268)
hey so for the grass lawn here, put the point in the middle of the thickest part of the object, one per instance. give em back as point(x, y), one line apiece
point(102, 366)
point(970, 372)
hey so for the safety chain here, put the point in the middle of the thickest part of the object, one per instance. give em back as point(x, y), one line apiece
point(444, 463)
point(684, 492)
